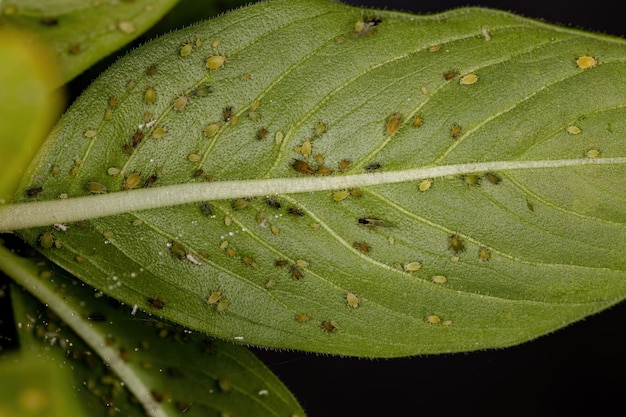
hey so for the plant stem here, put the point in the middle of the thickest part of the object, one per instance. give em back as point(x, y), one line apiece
point(44, 213)
point(23, 272)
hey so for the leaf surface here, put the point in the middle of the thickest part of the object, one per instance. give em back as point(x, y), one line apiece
point(82, 32)
point(127, 359)
point(435, 260)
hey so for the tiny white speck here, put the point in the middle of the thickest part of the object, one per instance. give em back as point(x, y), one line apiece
point(134, 310)
point(238, 337)
point(264, 392)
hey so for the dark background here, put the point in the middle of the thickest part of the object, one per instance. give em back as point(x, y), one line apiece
point(577, 370)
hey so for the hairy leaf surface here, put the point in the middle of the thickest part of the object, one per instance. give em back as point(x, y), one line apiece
point(489, 256)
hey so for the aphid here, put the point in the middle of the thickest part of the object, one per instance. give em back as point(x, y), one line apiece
point(341, 195)
point(126, 26)
point(448, 75)
point(302, 318)
point(149, 181)
point(214, 297)
point(48, 21)
point(323, 170)
point(216, 43)
point(319, 158)
point(281, 263)
point(275, 230)
point(34, 192)
point(573, 130)
point(278, 138)
point(270, 284)
point(150, 95)
point(261, 133)
point(295, 272)
point(215, 61)
point(434, 48)
point(194, 157)
point(178, 250)
point(211, 130)
point(306, 148)
point(75, 49)
point(373, 167)
point(592, 153)
point(186, 49)
point(393, 124)
point(366, 26)
point(91, 133)
point(55, 170)
point(302, 167)
point(137, 138)
point(319, 129)
point(343, 165)
point(151, 71)
point(412, 266)
point(439, 279)
point(374, 222)
point(234, 120)
point(417, 121)
point(246, 77)
point(530, 205)
point(484, 254)
point(468, 79)
point(206, 209)
point(273, 203)
point(202, 91)
point(156, 303)
point(424, 185)
point(231, 252)
point(96, 187)
point(222, 305)
point(159, 132)
point(455, 131)
point(132, 181)
point(362, 247)
point(180, 103)
point(432, 319)
point(586, 62)
point(295, 212)
point(352, 300)
point(456, 244)
point(471, 179)
point(330, 326)
point(493, 178)
point(241, 203)
point(46, 240)
point(355, 193)
point(227, 113)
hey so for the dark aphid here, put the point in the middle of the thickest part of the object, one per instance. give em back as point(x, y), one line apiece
point(281, 263)
point(49, 21)
point(137, 138)
point(374, 222)
point(156, 303)
point(261, 133)
point(206, 209)
point(295, 272)
point(178, 250)
point(295, 212)
point(202, 91)
point(149, 181)
point(34, 192)
point(127, 148)
point(330, 326)
point(273, 203)
point(151, 71)
point(448, 75)
point(471, 179)
point(323, 170)
point(456, 244)
point(373, 167)
point(362, 247)
point(493, 178)
point(303, 167)
point(343, 165)
point(455, 131)
point(227, 113)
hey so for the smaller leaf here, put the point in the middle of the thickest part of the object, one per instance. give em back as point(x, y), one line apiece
point(118, 353)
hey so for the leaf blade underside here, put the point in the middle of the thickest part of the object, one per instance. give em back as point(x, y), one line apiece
point(443, 264)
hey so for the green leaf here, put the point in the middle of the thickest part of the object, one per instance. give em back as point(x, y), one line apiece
point(475, 199)
point(82, 32)
point(27, 107)
point(123, 359)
